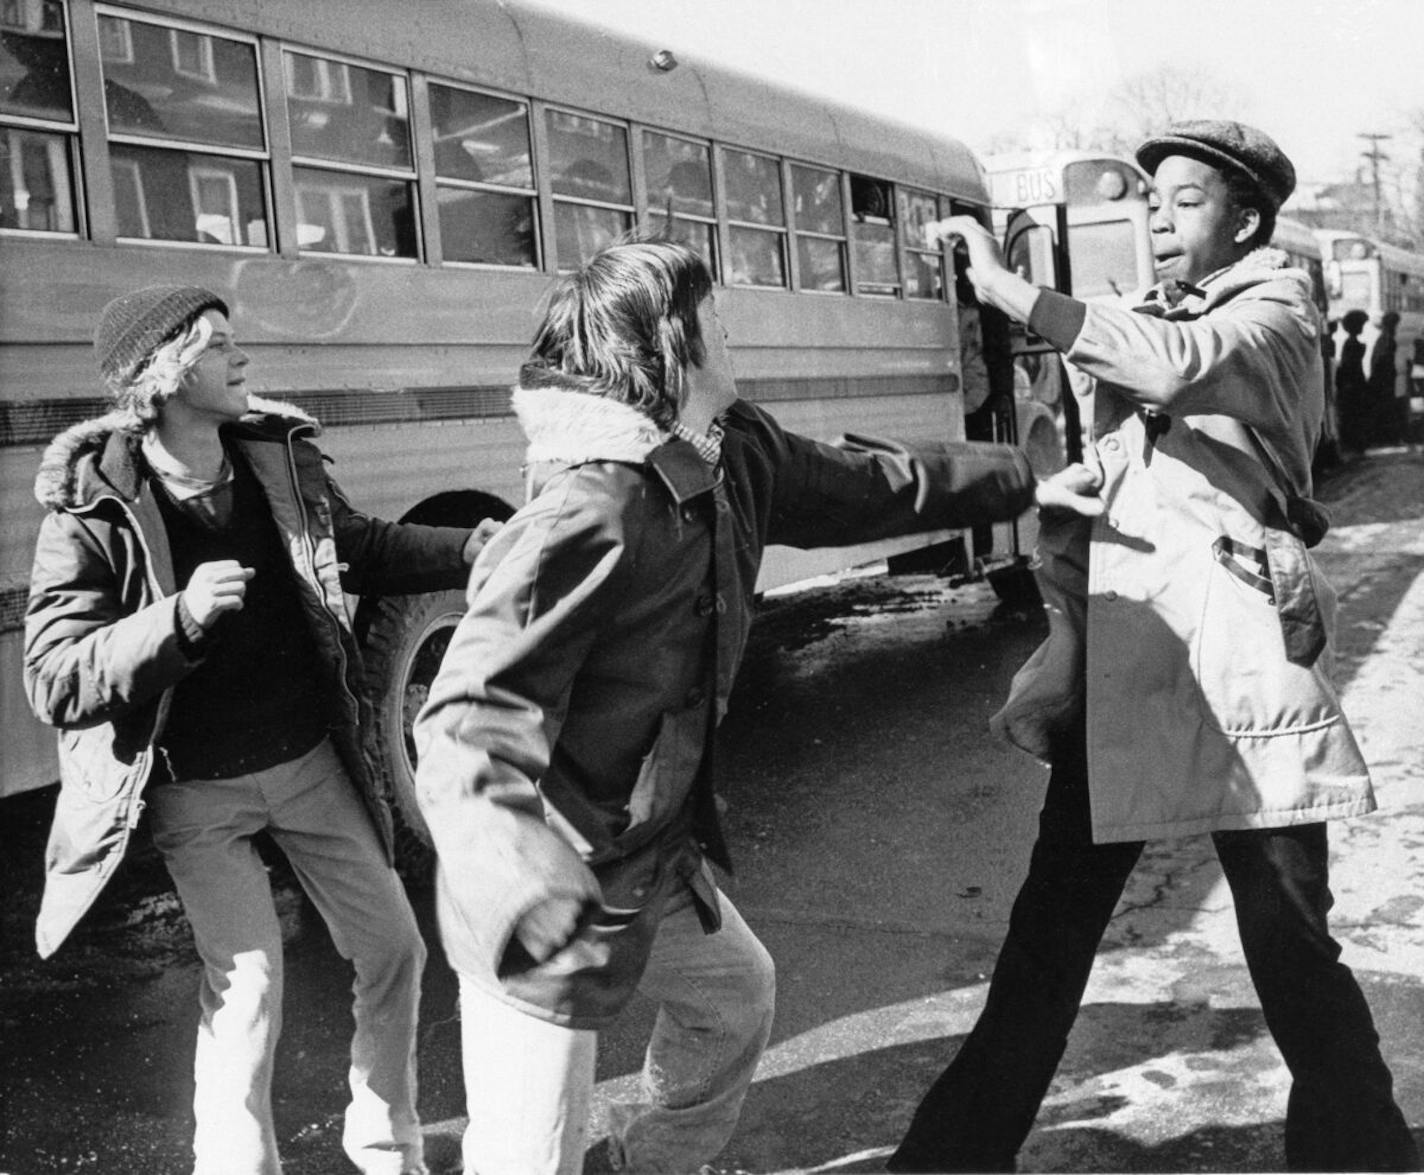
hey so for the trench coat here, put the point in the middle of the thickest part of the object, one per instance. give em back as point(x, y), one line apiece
point(1166, 639)
point(566, 748)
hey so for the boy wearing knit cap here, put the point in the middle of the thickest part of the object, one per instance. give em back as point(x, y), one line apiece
point(1184, 687)
point(188, 634)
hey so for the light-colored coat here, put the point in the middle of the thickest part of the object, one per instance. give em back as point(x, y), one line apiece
point(1165, 643)
point(102, 653)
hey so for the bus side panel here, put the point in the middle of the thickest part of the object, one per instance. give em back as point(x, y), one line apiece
point(53, 292)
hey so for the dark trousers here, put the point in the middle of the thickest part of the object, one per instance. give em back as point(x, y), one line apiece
point(1341, 1114)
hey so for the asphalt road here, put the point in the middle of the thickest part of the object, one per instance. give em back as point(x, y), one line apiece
point(880, 835)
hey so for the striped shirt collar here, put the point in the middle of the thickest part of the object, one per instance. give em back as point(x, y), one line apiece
point(708, 444)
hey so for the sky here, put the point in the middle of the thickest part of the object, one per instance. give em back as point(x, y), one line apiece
point(1313, 74)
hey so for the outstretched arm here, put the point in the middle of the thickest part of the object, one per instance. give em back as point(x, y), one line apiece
point(994, 283)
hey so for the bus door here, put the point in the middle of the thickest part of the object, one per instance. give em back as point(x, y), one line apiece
point(1082, 229)
point(996, 352)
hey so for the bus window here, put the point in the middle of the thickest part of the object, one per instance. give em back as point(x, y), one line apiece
point(589, 161)
point(187, 149)
point(756, 233)
point(680, 185)
point(481, 151)
point(820, 228)
point(924, 267)
point(1104, 258)
point(1353, 249)
point(36, 179)
point(873, 237)
point(348, 114)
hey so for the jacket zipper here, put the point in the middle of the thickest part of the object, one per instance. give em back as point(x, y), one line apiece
point(310, 571)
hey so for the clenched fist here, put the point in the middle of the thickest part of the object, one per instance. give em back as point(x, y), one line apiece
point(215, 588)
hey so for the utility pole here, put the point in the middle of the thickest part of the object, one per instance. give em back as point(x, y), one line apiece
point(1376, 157)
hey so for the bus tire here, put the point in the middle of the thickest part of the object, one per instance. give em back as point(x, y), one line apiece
point(405, 642)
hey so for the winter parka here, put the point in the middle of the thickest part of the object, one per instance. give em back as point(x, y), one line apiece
point(102, 651)
point(1166, 638)
point(566, 748)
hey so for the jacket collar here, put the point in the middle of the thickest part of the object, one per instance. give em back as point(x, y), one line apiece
point(568, 427)
point(100, 457)
point(1178, 299)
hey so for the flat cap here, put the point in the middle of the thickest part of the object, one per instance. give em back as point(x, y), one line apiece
point(1221, 142)
point(133, 325)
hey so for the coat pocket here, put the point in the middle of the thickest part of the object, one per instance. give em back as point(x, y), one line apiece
point(668, 770)
point(1240, 656)
point(88, 765)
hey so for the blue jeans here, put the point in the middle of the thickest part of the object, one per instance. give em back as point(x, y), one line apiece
point(1341, 1114)
point(529, 1082)
point(205, 829)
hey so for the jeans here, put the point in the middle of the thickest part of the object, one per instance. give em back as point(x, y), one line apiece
point(1340, 1115)
point(529, 1082)
point(205, 830)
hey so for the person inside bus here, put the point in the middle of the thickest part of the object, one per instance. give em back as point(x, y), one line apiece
point(565, 749)
point(188, 633)
point(1185, 683)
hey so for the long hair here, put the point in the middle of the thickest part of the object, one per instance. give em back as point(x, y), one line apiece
point(625, 326)
point(160, 375)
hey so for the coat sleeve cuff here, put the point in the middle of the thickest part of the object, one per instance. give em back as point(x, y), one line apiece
point(1057, 318)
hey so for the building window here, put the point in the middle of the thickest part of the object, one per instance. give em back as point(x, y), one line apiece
point(192, 55)
point(352, 161)
point(820, 228)
point(37, 126)
point(187, 146)
point(485, 178)
point(315, 79)
point(593, 196)
point(679, 179)
point(116, 42)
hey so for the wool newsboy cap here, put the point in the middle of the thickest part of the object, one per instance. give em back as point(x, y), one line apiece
point(133, 325)
point(1222, 142)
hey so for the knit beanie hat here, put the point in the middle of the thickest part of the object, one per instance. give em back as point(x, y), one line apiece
point(134, 325)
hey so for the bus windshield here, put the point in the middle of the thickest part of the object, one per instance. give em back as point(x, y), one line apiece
point(1104, 258)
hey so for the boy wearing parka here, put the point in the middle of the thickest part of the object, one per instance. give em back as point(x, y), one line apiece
point(188, 633)
point(566, 749)
point(1185, 683)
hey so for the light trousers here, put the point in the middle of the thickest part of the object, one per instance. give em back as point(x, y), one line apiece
point(205, 829)
point(529, 1083)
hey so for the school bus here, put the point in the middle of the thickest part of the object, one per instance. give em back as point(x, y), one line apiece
point(383, 193)
point(1364, 274)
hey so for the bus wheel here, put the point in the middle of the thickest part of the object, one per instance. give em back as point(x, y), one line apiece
point(406, 640)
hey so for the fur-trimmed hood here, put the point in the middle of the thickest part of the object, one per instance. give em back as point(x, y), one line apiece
point(69, 475)
point(572, 427)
